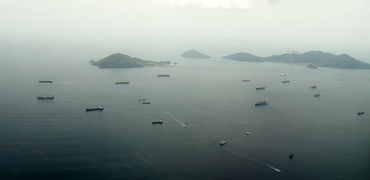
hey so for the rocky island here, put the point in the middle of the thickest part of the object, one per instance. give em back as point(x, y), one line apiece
point(119, 60)
point(316, 58)
point(193, 54)
point(311, 66)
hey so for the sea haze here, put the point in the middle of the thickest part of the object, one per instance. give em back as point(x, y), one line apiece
point(202, 102)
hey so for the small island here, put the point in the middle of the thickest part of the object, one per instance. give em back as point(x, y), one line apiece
point(317, 58)
point(311, 66)
point(193, 54)
point(119, 60)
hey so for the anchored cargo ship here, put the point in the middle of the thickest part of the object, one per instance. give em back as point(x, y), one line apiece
point(157, 122)
point(46, 81)
point(285, 81)
point(246, 80)
point(316, 95)
point(122, 82)
point(45, 97)
point(260, 103)
point(99, 108)
point(261, 88)
point(163, 75)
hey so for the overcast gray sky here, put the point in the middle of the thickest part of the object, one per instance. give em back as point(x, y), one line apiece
point(271, 26)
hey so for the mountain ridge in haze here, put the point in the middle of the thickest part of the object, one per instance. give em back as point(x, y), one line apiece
point(318, 58)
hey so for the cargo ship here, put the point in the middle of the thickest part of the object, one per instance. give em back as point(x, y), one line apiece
point(163, 75)
point(122, 82)
point(144, 99)
point(46, 81)
point(260, 103)
point(146, 102)
point(157, 122)
point(313, 87)
point(285, 82)
point(246, 80)
point(316, 95)
point(360, 113)
point(45, 97)
point(99, 108)
point(261, 88)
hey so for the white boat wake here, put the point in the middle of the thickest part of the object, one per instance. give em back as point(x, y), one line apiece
point(174, 118)
point(255, 160)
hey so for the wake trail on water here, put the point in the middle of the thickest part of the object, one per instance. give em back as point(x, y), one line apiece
point(254, 160)
point(173, 118)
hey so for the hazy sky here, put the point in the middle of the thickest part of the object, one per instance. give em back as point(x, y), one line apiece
point(258, 26)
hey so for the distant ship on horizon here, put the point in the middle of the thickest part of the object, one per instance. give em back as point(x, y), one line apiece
point(45, 97)
point(122, 82)
point(260, 103)
point(99, 108)
point(261, 88)
point(46, 81)
point(163, 75)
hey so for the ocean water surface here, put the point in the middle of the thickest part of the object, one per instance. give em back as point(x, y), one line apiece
point(203, 102)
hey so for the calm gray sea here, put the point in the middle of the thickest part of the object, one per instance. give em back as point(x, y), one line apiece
point(202, 102)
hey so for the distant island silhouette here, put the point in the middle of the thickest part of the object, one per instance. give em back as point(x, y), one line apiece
point(194, 54)
point(315, 58)
point(119, 60)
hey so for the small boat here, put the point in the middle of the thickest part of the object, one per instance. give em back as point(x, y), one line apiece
point(261, 88)
point(285, 81)
point(46, 81)
point(163, 75)
point(260, 103)
point(146, 102)
point(122, 82)
point(222, 142)
point(99, 108)
point(291, 155)
point(246, 80)
point(313, 87)
point(282, 74)
point(45, 97)
point(360, 113)
point(157, 122)
point(248, 133)
point(316, 95)
point(144, 99)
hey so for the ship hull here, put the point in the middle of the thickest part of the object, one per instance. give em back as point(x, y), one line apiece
point(163, 75)
point(45, 97)
point(48, 81)
point(122, 83)
point(94, 109)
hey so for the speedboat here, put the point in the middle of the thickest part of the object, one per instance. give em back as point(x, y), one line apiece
point(248, 133)
point(222, 142)
point(360, 113)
